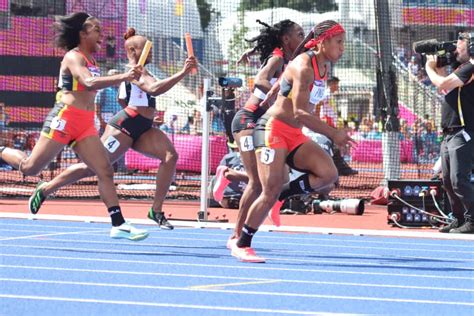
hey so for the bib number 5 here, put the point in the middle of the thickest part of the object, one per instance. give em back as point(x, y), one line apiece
point(267, 155)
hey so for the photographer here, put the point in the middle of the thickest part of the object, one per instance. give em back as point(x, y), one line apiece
point(457, 148)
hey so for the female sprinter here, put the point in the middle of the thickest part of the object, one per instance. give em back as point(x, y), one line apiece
point(71, 122)
point(132, 128)
point(278, 135)
point(276, 45)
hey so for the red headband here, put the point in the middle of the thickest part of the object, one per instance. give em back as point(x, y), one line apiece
point(333, 31)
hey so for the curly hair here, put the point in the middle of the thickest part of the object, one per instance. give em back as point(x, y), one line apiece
point(270, 37)
point(67, 29)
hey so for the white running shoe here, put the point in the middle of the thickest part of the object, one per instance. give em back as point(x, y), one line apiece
point(127, 231)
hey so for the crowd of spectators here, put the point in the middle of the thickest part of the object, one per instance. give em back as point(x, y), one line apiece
point(413, 64)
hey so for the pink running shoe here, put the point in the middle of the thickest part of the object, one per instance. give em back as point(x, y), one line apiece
point(274, 214)
point(246, 254)
point(231, 242)
point(221, 183)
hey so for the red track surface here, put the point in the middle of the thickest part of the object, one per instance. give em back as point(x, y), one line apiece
point(375, 217)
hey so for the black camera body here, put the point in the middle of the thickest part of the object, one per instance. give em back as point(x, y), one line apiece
point(230, 82)
point(445, 52)
point(227, 99)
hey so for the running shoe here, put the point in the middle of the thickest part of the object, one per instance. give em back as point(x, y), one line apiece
point(160, 219)
point(246, 254)
point(127, 231)
point(274, 214)
point(37, 198)
point(221, 183)
point(231, 242)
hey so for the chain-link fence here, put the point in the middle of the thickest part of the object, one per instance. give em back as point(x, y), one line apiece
point(380, 80)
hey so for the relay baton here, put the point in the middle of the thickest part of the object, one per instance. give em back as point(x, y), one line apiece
point(145, 52)
point(189, 46)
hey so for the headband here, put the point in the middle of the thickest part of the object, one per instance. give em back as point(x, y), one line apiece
point(333, 31)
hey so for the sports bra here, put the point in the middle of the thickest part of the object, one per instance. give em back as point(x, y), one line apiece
point(317, 88)
point(276, 52)
point(67, 82)
point(134, 96)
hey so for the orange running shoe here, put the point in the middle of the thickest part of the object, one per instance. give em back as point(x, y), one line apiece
point(274, 214)
point(246, 254)
point(221, 183)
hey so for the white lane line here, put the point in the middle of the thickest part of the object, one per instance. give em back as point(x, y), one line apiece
point(51, 234)
point(280, 236)
point(236, 278)
point(315, 245)
point(223, 285)
point(262, 293)
point(269, 258)
point(243, 267)
point(275, 251)
point(296, 229)
point(166, 305)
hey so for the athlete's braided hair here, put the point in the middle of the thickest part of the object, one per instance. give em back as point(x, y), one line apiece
point(316, 32)
point(67, 29)
point(270, 37)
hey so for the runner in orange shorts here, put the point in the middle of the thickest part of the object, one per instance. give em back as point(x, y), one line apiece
point(71, 121)
point(275, 45)
point(278, 136)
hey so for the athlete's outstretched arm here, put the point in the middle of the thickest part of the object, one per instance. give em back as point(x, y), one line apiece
point(161, 86)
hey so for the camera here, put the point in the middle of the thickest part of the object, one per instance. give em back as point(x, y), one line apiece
point(230, 82)
point(224, 106)
point(445, 52)
point(348, 206)
point(227, 99)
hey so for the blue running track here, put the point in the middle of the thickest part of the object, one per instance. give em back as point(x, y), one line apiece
point(74, 268)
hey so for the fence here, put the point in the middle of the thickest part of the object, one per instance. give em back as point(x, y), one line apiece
point(29, 66)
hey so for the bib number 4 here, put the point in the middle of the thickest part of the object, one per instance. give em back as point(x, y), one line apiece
point(111, 144)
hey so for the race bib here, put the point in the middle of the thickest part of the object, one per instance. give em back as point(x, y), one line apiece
point(246, 143)
point(267, 155)
point(111, 143)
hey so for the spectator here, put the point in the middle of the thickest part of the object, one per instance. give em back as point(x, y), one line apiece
point(413, 66)
point(196, 127)
point(328, 113)
point(233, 173)
point(429, 143)
point(4, 121)
point(374, 133)
point(404, 130)
point(110, 50)
point(169, 126)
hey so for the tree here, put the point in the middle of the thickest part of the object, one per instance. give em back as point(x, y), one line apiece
point(205, 12)
point(237, 44)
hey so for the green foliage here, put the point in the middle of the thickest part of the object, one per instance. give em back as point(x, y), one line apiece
point(204, 9)
point(237, 44)
point(205, 12)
